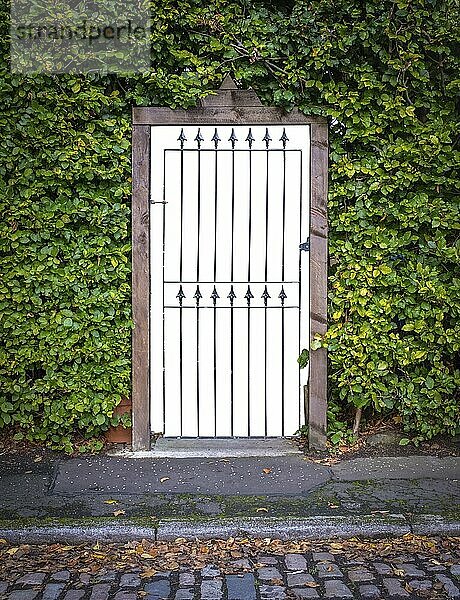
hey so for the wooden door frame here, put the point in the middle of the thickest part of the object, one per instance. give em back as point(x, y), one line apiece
point(229, 106)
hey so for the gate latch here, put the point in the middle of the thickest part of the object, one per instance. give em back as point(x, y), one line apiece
point(305, 245)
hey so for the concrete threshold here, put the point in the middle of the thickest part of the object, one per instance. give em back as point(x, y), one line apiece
point(216, 448)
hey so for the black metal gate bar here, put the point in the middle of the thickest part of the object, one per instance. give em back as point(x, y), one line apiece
point(231, 296)
point(267, 140)
point(163, 290)
point(198, 139)
point(282, 295)
point(250, 139)
point(181, 294)
point(233, 139)
point(216, 140)
point(197, 297)
point(248, 297)
point(214, 297)
point(265, 295)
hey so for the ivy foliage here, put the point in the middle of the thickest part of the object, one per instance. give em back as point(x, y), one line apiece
point(384, 72)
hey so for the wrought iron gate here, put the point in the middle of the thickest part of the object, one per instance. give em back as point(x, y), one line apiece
point(229, 307)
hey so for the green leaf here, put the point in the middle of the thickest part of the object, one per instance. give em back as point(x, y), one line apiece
point(303, 358)
point(100, 419)
point(404, 441)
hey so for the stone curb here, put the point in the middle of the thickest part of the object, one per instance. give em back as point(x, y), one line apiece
point(314, 528)
point(434, 525)
point(318, 527)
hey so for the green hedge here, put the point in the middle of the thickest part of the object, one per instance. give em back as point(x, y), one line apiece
point(386, 75)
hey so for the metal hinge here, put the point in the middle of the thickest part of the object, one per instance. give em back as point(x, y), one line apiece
point(305, 245)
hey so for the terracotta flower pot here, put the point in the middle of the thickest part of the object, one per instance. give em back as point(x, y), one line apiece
point(120, 434)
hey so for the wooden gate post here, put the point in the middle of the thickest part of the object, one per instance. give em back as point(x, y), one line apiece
point(141, 287)
point(317, 381)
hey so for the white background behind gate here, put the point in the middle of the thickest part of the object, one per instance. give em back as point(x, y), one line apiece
point(225, 368)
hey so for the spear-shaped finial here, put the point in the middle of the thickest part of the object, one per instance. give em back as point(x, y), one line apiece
point(282, 295)
point(215, 138)
point(231, 295)
point(284, 138)
point(233, 138)
point(265, 296)
point(199, 138)
point(214, 296)
point(250, 139)
point(197, 295)
point(248, 295)
point(182, 138)
point(267, 139)
point(180, 295)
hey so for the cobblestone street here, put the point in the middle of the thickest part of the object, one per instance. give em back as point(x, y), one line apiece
point(334, 572)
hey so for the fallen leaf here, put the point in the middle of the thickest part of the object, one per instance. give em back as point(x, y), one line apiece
point(117, 513)
point(266, 471)
point(311, 584)
point(148, 573)
point(38, 459)
point(163, 479)
point(262, 509)
point(12, 551)
point(110, 501)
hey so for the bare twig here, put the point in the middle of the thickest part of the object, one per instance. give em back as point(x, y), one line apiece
point(357, 422)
